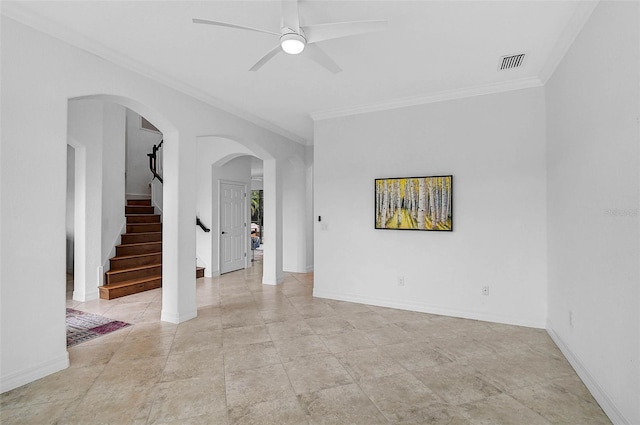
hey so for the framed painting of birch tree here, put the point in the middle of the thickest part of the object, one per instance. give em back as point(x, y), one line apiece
point(414, 203)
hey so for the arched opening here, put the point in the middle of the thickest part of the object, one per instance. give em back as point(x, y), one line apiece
point(96, 131)
point(183, 243)
point(220, 160)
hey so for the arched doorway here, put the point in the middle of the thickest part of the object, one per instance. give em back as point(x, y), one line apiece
point(213, 154)
point(90, 125)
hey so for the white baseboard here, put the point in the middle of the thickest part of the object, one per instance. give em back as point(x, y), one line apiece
point(301, 270)
point(269, 281)
point(87, 296)
point(17, 379)
point(177, 317)
point(431, 309)
point(601, 396)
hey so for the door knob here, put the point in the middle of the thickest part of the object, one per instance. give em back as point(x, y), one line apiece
point(224, 233)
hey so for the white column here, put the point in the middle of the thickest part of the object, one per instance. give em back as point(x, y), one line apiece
point(113, 180)
point(272, 261)
point(294, 213)
point(80, 278)
point(86, 122)
point(178, 229)
point(206, 242)
point(309, 216)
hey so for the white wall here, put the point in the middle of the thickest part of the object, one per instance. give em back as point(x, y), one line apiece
point(294, 216)
point(39, 76)
point(86, 132)
point(309, 206)
point(494, 146)
point(593, 231)
point(113, 179)
point(140, 142)
point(256, 184)
point(32, 313)
point(99, 130)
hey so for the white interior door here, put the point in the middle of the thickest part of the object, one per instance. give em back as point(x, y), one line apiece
point(233, 227)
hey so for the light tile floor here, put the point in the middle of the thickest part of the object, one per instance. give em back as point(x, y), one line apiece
point(260, 354)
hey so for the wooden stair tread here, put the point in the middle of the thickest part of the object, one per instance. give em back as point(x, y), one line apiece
point(131, 282)
point(129, 287)
point(128, 257)
point(199, 272)
point(143, 218)
point(141, 237)
point(129, 274)
point(139, 208)
point(131, 245)
point(149, 266)
point(142, 233)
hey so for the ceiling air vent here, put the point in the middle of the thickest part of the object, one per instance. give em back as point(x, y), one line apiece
point(511, 61)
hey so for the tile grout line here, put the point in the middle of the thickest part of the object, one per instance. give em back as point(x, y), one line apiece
point(224, 365)
point(304, 411)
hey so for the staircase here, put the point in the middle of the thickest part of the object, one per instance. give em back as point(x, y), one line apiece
point(137, 266)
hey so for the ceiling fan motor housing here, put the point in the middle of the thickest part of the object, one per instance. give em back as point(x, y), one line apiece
point(291, 41)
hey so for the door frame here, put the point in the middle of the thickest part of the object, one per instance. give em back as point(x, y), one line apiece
point(219, 221)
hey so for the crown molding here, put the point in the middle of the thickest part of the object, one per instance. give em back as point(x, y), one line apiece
point(577, 21)
point(13, 10)
point(435, 97)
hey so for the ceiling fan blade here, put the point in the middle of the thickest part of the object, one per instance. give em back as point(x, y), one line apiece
point(290, 17)
point(224, 24)
point(322, 32)
point(318, 55)
point(266, 58)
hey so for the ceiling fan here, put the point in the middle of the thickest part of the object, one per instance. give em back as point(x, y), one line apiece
point(296, 38)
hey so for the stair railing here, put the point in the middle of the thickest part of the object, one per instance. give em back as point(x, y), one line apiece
point(155, 165)
point(202, 226)
point(153, 161)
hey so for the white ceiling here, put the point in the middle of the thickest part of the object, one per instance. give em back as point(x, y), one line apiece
point(430, 49)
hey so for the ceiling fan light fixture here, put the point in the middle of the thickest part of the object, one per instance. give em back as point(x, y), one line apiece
point(292, 43)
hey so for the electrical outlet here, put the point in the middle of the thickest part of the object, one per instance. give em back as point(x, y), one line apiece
point(401, 281)
point(485, 290)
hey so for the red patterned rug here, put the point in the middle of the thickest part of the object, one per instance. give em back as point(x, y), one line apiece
point(82, 326)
